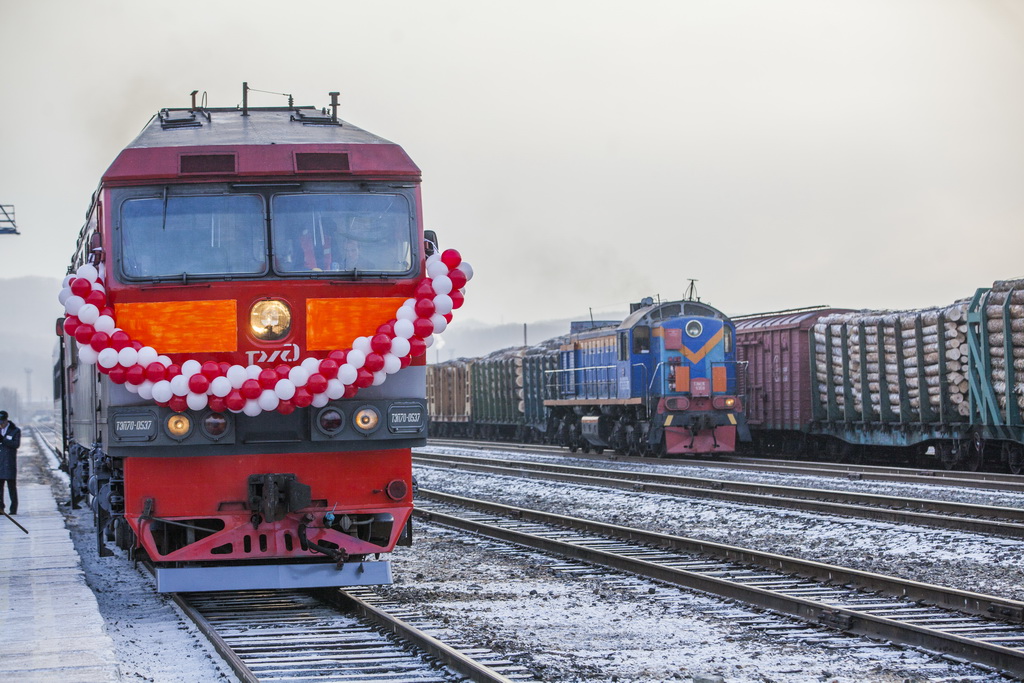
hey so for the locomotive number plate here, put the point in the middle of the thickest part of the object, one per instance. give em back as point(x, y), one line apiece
point(406, 418)
point(134, 426)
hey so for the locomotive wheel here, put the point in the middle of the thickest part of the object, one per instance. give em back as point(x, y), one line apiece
point(948, 452)
point(1013, 455)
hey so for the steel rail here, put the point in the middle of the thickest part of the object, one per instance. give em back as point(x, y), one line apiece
point(245, 675)
point(846, 619)
point(909, 475)
point(988, 519)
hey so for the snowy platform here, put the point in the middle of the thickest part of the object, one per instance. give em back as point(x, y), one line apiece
point(51, 625)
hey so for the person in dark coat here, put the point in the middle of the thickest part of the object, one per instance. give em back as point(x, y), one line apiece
point(10, 442)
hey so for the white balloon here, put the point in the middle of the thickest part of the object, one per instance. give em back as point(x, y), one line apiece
point(347, 374)
point(284, 389)
point(73, 304)
point(196, 401)
point(379, 377)
point(65, 292)
point(179, 385)
point(467, 270)
point(88, 313)
point(127, 356)
point(443, 304)
point(429, 341)
point(87, 354)
point(164, 361)
point(236, 375)
point(442, 284)
point(102, 271)
point(437, 269)
point(88, 271)
point(298, 376)
point(268, 400)
point(362, 344)
point(98, 287)
point(406, 313)
point(67, 280)
point(132, 389)
point(335, 389)
point(147, 356)
point(162, 391)
point(191, 367)
point(320, 400)
point(439, 323)
point(146, 390)
point(220, 386)
point(104, 323)
point(252, 408)
point(400, 346)
point(355, 358)
point(436, 256)
point(311, 365)
point(392, 363)
point(403, 330)
point(107, 358)
point(253, 372)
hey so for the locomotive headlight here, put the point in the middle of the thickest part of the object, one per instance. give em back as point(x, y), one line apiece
point(694, 328)
point(723, 402)
point(270, 319)
point(178, 425)
point(366, 419)
point(215, 425)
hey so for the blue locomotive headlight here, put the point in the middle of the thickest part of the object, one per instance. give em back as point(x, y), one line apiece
point(694, 328)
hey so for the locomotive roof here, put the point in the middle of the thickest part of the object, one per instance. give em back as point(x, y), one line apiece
point(671, 309)
point(264, 141)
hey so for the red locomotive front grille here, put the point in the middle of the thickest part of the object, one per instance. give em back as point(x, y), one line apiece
point(210, 491)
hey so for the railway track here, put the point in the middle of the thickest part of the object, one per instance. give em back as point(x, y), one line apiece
point(907, 475)
point(333, 635)
point(988, 519)
point(985, 630)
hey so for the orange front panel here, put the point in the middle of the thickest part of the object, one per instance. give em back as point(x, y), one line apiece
point(719, 379)
point(182, 326)
point(682, 378)
point(335, 323)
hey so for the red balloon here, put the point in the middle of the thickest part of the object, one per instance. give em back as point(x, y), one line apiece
point(458, 279)
point(198, 383)
point(417, 347)
point(136, 374)
point(119, 339)
point(422, 327)
point(217, 404)
point(81, 287)
point(317, 383)
point(251, 389)
point(282, 370)
point(338, 356)
point(374, 362)
point(302, 397)
point(71, 324)
point(388, 328)
point(425, 289)
point(381, 343)
point(156, 371)
point(118, 374)
point(99, 341)
point(210, 370)
point(405, 360)
point(285, 407)
point(364, 378)
point(425, 307)
point(224, 367)
point(451, 258)
point(178, 404)
point(350, 391)
point(83, 333)
point(329, 368)
point(447, 317)
point(96, 298)
point(107, 311)
point(137, 345)
point(268, 379)
point(173, 370)
point(458, 298)
point(234, 400)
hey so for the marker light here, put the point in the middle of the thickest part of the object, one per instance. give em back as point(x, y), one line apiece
point(214, 425)
point(397, 489)
point(330, 421)
point(723, 402)
point(694, 328)
point(178, 425)
point(270, 319)
point(366, 419)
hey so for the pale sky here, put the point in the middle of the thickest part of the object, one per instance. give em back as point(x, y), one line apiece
point(582, 154)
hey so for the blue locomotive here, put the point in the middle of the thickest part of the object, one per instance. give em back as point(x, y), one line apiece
point(664, 381)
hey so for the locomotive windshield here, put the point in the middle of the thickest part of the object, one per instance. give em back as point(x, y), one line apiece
point(317, 232)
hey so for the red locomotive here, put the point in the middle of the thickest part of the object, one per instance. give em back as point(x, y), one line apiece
point(242, 358)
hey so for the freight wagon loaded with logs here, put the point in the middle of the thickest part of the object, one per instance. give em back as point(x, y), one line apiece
point(939, 386)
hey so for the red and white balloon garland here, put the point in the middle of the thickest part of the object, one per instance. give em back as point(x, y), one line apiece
point(252, 389)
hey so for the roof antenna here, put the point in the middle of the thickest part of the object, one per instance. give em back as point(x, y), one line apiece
point(691, 291)
point(245, 98)
point(194, 93)
point(334, 106)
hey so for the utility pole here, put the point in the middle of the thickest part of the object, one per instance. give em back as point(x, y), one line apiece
point(28, 386)
point(7, 224)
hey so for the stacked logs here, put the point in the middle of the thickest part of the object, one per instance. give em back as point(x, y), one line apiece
point(1006, 344)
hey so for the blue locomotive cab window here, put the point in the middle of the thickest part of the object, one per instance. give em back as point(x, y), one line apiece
point(193, 235)
point(641, 339)
point(343, 233)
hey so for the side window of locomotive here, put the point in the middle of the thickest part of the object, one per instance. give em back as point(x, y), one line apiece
point(193, 235)
point(728, 339)
point(641, 339)
point(341, 233)
point(624, 345)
